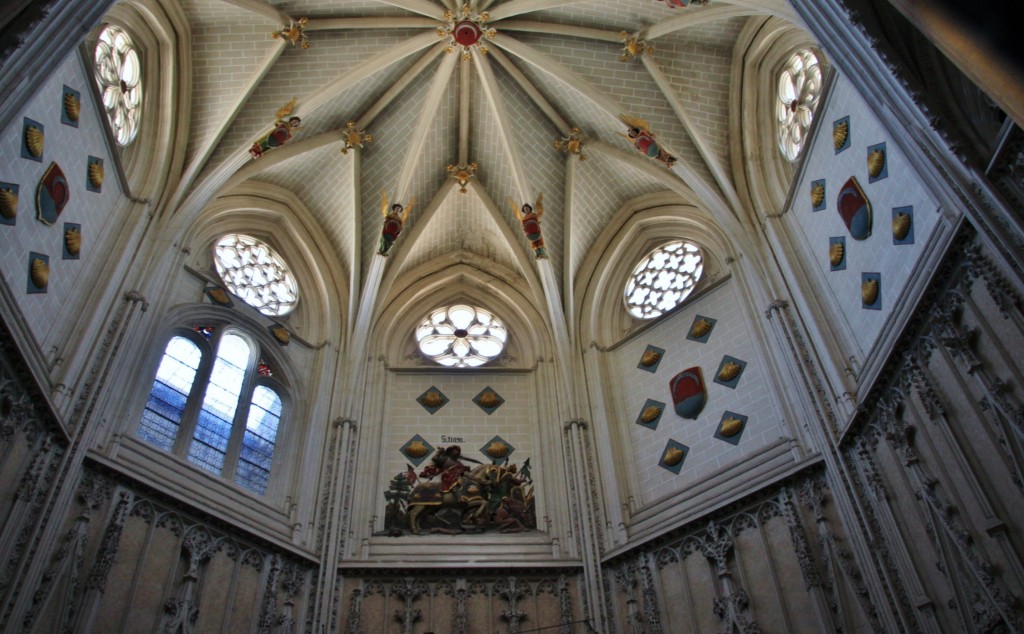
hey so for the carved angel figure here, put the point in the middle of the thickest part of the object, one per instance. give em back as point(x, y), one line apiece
point(640, 135)
point(394, 219)
point(530, 220)
point(282, 132)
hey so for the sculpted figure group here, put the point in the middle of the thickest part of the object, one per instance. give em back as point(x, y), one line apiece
point(463, 498)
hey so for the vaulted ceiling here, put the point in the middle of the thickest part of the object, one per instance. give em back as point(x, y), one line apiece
point(552, 65)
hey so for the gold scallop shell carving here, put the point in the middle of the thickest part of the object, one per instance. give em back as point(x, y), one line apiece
point(433, 398)
point(730, 427)
point(650, 358)
point(281, 334)
point(96, 174)
point(40, 273)
point(901, 225)
point(73, 241)
point(650, 413)
point(34, 141)
point(489, 399)
point(673, 456)
point(8, 203)
point(869, 291)
point(72, 107)
point(729, 371)
point(817, 194)
point(839, 134)
point(417, 449)
point(836, 250)
point(876, 161)
point(700, 328)
point(497, 449)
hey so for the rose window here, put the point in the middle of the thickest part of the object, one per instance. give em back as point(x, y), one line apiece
point(119, 75)
point(800, 84)
point(461, 336)
point(252, 271)
point(663, 279)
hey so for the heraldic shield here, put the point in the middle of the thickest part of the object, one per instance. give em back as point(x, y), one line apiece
point(52, 194)
point(688, 392)
point(855, 210)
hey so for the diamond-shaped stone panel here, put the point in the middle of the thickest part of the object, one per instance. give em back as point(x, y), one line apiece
point(488, 400)
point(673, 456)
point(417, 449)
point(432, 400)
point(497, 449)
point(731, 427)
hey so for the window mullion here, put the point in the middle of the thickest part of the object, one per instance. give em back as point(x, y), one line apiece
point(190, 416)
point(234, 447)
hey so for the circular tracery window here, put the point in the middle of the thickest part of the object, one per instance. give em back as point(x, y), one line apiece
point(663, 279)
point(800, 84)
point(461, 336)
point(119, 75)
point(252, 271)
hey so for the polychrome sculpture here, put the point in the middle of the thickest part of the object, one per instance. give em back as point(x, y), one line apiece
point(394, 220)
point(281, 134)
point(530, 220)
point(640, 135)
point(688, 392)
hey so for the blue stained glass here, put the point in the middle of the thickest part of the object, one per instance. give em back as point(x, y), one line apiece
point(213, 429)
point(162, 415)
point(257, 452)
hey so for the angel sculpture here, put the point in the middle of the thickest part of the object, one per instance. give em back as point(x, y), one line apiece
point(281, 133)
point(530, 220)
point(393, 221)
point(640, 135)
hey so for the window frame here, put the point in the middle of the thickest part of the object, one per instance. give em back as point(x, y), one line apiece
point(653, 248)
point(197, 394)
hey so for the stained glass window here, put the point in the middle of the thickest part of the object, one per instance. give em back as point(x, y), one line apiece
point(174, 378)
point(258, 441)
point(800, 84)
point(233, 431)
point(255, 273)
point(663, 279)
point(213, 430)
point(119, 75)
point(461, 336)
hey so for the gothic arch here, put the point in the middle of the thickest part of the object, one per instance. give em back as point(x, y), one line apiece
point(763, 174)
point(278, 217)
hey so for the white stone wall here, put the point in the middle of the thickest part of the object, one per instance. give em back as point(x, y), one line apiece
point(840, 290)
point(731, 336)
point(516, 420)
point(97, 213)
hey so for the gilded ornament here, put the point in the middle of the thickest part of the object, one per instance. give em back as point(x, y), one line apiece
point(219, 295)
point(817, 194)
point(34, 141)
point(650, 358)
point(730, 427)
point(901, 225)
point(281, 334)
point(839, 134)
point(433, 398)
point(835, 253)
point(8, 203)
point(700, 328)
point(497, 449)
point(876, 161)
point(673, 456)
point(96, 175)
point(40, 273)
point(417, 449)
point(72, 107)
point(869, 291)
point(729, 371)
point(489, 399)
point(73, 241)
point(650, 413)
